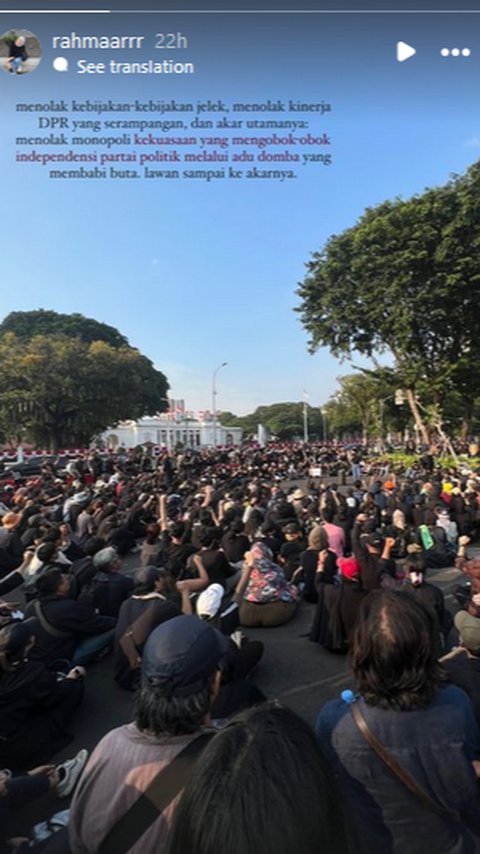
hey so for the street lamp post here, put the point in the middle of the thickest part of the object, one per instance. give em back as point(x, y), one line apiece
point(214, 402)
point(305, 417)
point(324, 419)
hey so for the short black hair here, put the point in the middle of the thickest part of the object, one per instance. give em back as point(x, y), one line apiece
point(157, 713)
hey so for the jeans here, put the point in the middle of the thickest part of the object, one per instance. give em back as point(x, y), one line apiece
point(356, 471)
point(16, 64)
point(89, 647)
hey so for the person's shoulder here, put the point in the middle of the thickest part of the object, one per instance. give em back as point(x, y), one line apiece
point(330, 715)
point(451, 697)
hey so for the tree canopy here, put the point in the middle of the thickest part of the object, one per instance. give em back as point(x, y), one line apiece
point(27, 324)
point(57, 390)
point(405, 280)
point(284, 420)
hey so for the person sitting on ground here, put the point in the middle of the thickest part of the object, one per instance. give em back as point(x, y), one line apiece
point(462, 663)
point(108, 587)
point(265, 596)
point(17, 55)
point(214, 560)
point(241, 655)
point(291, 549)
point(139, 615)
point(35, 705)
point(11, 546)
point(19, 791)
point(425, 725)
point(234, 542)
point(253, 790)
point(152, 545)
point(180, 680)
point(64, 628)
point(429, 594)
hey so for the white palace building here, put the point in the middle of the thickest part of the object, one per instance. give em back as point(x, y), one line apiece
point(168, 431)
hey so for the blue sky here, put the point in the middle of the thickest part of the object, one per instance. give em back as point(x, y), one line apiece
point(196, 274)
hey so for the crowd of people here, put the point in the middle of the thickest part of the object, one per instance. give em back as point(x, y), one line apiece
point(224, 541)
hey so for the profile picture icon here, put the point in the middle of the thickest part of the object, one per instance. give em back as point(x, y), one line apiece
point(20, 51)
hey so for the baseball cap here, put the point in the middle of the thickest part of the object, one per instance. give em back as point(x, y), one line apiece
point(469, 629)
point(375, 540)
point(209, 601)
point(181, 654)
point(291, 528)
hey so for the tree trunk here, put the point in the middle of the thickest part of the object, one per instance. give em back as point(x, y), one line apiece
point(421, 427)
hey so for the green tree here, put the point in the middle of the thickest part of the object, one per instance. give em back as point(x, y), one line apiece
point(284, 420)
point(27, 324)
point(56, 390)
point(404, 280)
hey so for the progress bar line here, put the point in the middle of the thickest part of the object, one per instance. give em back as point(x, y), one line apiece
point(240, 12)
point(55, 11)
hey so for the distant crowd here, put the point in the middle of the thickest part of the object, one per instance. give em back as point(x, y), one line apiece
point(218, 541)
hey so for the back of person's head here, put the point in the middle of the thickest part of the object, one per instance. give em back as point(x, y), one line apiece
point(177, 530)
point(236, 527)
point(261, 786)
point(93, 545)
point(180, 676)
point(328, 515)
point(151, 533)
point(53, 535)
point(146, 578)
point(394, 652)
point(208, 537)
point(47, 552)
point(48, 582)
point(317, 538)
point(105, 558)
point(14, 640)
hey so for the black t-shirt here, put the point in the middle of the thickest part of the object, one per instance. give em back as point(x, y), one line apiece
point(235, 546)
point(216, 565)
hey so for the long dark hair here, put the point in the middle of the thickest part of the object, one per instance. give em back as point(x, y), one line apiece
point(394, 652)
point(261, 785)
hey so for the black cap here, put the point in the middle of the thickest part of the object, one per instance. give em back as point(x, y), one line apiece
point(181, 654)
point(291, 528)
point(375, 540)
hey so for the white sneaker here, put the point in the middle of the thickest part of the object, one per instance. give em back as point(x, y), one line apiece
point(73, 768)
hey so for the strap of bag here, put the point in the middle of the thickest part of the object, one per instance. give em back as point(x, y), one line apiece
point(396, 768)
point(164, 787)
point(55, 633)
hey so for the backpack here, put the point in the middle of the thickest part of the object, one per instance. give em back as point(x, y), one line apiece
point(95, 592)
